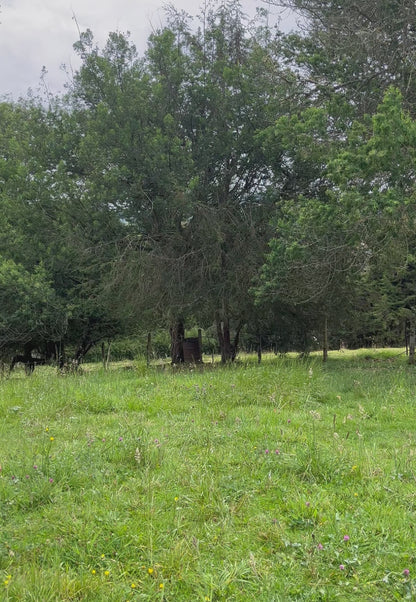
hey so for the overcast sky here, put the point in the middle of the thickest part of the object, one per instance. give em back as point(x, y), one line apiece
point(37, 33)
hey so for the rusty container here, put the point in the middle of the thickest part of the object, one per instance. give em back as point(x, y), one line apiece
point(192, 353)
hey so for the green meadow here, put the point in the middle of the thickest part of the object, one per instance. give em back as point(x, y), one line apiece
point(288, 480)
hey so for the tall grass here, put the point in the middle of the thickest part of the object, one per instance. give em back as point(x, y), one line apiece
point(285, 481)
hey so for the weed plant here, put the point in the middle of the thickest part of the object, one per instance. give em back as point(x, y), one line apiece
point(288, 480)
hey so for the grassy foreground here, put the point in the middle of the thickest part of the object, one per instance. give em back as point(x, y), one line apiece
point(284, 481)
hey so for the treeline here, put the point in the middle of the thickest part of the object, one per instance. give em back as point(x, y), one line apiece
point(233, 178)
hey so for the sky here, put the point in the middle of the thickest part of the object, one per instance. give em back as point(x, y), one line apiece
point(40, 33)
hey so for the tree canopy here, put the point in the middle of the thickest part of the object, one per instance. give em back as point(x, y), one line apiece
point(233, 177)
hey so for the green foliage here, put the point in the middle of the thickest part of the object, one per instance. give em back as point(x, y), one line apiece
point(352, 52)
point(30, 309)
point(153, 192)
point(375, 182)
point(350, 241)
point(383, 156)
point(49, 219)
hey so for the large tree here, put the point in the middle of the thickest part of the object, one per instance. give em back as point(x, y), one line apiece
point(354, 50)
point(175, 136)
point(49, 217)
point(376, 181)
point(353, 246)
point(31, 314)
point(226, 101)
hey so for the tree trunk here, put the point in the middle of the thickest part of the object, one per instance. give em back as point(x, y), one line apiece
point(107, 359)
point(200, 342)
point(412, 343)
point(325, 342)
point(237, 339)
point(406, 336)
point(259, 350)
point(177, 335)
point(82, 351)
point(60, 354)
point(227, 347)
point(223, 333)
point(148, 348)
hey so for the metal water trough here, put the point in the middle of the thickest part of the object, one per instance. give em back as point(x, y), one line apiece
point(192, 353)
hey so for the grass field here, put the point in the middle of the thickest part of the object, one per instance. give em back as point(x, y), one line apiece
point(288, 480)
